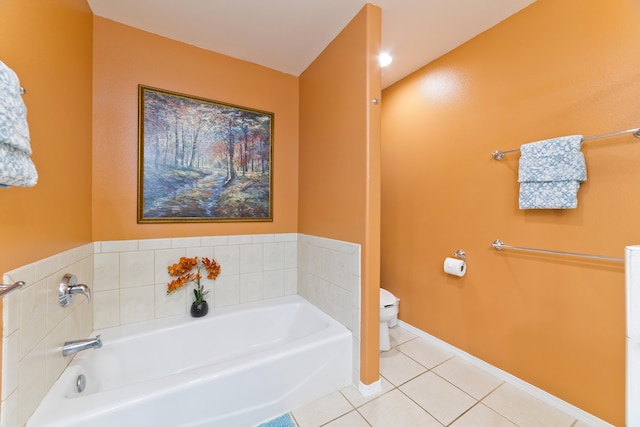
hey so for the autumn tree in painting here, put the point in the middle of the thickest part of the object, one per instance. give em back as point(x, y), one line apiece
point(203, 160)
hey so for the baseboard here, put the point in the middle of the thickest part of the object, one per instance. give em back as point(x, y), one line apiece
point(370, 389)
point(548, 398)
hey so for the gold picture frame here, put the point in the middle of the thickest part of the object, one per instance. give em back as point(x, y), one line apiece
point(201, 160)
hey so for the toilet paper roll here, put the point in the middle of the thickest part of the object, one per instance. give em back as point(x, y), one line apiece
point(454, 266)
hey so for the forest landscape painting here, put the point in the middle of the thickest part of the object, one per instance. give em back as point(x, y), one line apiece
point(201, 160)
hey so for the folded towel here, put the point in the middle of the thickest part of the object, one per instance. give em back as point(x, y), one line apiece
point(557, 167)
point(550, 173)
point(549, 195)
point(16, 168)
point(13, 124)
point(548, 147)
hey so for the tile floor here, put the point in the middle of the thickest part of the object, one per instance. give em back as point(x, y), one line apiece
point(425, 386)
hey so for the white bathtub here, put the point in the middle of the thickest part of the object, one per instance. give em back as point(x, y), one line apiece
point(234, 367)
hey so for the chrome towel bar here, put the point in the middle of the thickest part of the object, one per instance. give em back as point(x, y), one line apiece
point(499, 244)
point(498, 154)
point(5, 289)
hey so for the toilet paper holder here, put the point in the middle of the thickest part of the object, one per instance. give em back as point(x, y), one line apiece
point(460, 254)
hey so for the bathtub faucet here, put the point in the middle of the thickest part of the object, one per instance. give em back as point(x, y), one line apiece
point(73, 347)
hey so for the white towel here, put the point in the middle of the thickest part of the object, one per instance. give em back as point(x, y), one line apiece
point(16, 168)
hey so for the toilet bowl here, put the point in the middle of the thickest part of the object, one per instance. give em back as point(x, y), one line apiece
point(388, 317)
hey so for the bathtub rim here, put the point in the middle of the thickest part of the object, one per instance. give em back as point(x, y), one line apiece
point(177, 321)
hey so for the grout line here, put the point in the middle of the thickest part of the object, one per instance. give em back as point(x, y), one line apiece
point(420, 406)
point(533, 391)
point(464, 412)
point(293, 417)
point(355, 408)
point(456, 386)
point(491, 392)
point(426, 367)
point(477, 401)
point(363, 417)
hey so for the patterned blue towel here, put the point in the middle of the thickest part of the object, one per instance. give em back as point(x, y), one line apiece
point(16, 168)
point(550, 173)
point(556, 167)
point(549, 195)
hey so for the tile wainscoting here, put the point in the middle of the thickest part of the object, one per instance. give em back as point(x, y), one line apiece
point(329, 277)
point(130, 277)
point(35, 327)
point(128, 283)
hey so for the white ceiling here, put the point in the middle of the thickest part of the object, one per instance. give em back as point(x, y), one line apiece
point(287, 35)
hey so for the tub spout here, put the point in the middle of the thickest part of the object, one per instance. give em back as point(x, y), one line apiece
point(69, 287)
point(72, 347)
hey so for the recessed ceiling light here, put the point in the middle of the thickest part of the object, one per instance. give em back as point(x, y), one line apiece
point(385, 59)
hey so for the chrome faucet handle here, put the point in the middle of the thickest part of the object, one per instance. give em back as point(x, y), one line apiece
point(69, 287)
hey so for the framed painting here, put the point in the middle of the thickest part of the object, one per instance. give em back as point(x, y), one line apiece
point(201, 160)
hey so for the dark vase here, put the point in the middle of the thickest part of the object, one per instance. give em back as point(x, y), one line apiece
point(199, 310)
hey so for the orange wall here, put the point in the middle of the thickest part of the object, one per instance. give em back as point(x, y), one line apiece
point(556, 68)
point(340, 158)
point(48, 44)
point(125, 57)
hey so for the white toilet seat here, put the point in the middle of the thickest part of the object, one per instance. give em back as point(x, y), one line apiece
point(387, 298)
point(388, 316)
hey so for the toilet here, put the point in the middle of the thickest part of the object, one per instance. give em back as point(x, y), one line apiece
point(388, 317)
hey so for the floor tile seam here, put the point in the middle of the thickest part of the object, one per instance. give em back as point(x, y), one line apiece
point(420, 406)
point(476, 401)
point(362, 415)
point(444, 379)
point(493, 390)
point(496, 410)
point(456, 386)
point(486, 395)
point(414, 360)
point(575, 421)
point(354, 406)
point(464, 412)
point(339, 416)
point(430, 370)
point(382, 393)
point(293, 417)
point(466, 392)
point(426, 367)
point(323, 424)
point(394, 386)
point(404, 382)
point(404, 342)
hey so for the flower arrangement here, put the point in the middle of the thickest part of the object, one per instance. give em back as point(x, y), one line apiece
point(184, 273)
